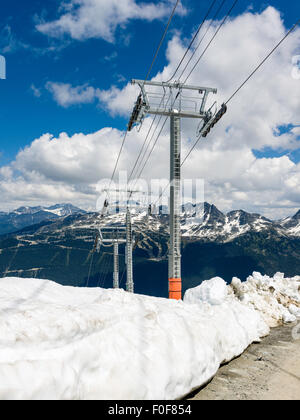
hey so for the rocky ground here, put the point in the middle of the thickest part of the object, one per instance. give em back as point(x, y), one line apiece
point(269, 370)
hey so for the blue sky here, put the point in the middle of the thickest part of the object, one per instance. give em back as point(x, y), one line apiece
point(24, 117)
point(34, 58)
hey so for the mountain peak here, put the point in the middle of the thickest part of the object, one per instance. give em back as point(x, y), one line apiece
point(297, 215)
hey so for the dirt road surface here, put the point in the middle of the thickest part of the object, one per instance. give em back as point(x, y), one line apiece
point(269, 370)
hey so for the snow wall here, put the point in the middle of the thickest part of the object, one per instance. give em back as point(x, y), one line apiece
point(61, 342)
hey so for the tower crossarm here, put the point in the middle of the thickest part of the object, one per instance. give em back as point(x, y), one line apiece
point(162, 98)
point(174, 85)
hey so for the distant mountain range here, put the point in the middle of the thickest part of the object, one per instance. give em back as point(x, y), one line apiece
point(210, 224)
point(213, 243)
point(27, 216)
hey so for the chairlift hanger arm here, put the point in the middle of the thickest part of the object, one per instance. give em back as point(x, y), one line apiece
point(209, 123)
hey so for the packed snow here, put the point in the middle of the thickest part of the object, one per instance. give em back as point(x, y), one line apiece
point(276, 298)
point(61, 342)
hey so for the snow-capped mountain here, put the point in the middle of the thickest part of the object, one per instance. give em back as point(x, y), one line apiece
point(204, 221)
point(292, 224)
point(27, 216)
point(63, 210)
point(212, 225)
point(213, 244)
point(60, 210)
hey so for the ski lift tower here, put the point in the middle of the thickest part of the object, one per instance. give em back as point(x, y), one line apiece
point(117, 234)
point(174, 100)
point(113, 236)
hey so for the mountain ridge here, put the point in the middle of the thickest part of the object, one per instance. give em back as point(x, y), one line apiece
point(213, 244)
point(202, 220)
point(26, 216)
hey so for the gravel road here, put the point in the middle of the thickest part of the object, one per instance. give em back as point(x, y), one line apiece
point(269, 370)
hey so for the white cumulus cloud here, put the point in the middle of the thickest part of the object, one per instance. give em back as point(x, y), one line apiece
point(66, 95)
point(84, 19)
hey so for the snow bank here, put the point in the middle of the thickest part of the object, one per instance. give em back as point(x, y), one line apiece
point(213, 292)
point(68, 343)
point(276, 298)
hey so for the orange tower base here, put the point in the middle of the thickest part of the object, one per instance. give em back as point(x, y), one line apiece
point(175, 289)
